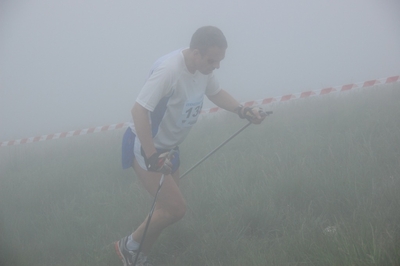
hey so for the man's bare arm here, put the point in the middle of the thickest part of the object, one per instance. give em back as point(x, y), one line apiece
point(140, 117)
point(224, 100)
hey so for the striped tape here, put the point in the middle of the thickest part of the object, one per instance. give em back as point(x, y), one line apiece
point(307, 94)
point(264, 101)
point(67, 134)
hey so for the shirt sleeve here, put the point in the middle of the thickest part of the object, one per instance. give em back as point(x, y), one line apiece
point(212, 85)
point(158, 85)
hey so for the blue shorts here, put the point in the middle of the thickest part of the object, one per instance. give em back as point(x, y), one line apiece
point(131, 148)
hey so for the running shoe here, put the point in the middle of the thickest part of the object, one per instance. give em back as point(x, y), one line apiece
point(128, 256)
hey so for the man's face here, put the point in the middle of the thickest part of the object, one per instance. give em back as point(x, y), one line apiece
point(210, 60)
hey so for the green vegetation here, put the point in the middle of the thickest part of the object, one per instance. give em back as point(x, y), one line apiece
point(316, 184)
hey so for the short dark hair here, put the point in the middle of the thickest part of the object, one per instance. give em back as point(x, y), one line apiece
point(206, 37)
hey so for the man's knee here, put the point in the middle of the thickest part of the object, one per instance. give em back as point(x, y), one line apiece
point(178, 211)
point(175, 212)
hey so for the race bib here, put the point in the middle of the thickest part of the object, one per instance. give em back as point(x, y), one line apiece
point(190, 112)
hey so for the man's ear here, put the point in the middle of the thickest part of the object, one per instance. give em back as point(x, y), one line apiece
point(196, 52)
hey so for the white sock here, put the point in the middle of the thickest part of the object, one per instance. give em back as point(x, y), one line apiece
point(132, 244)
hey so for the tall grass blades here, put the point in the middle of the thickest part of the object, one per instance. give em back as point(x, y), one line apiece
point(316, 184)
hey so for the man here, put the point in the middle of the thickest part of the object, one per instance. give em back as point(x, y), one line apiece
point(166, 108)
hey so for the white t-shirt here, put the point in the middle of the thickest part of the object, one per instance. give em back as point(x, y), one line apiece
point(174, 97)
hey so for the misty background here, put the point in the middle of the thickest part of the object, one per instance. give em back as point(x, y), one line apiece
point(67, 65)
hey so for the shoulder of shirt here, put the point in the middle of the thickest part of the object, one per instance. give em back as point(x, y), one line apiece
point(172, 62)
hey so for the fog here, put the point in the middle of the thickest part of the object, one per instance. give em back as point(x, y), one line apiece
point(67, 65)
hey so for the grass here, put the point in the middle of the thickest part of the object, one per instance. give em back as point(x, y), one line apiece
point(265, 198)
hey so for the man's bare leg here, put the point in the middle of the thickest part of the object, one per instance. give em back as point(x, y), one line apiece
point(170, 206)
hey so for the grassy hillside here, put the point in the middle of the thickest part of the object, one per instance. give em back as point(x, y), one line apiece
point(316, 184)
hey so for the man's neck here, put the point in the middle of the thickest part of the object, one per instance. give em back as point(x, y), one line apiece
point(187, 55)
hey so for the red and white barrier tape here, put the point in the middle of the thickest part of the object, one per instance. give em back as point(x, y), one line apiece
point(307, 94)
point(64, 134)
point(264, 101)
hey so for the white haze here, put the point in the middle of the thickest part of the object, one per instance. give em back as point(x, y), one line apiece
point(67, 65)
